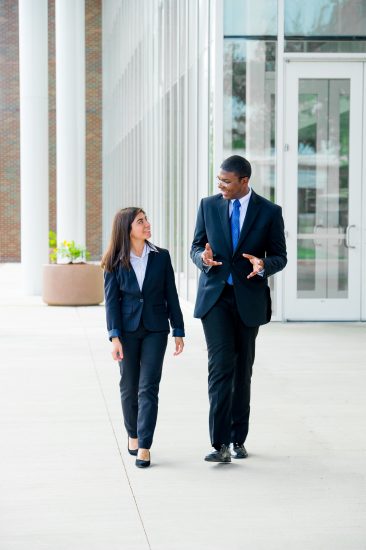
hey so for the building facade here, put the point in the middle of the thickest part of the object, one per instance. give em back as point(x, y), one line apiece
point(294, 95)
point(187, 83)
point(159, 131)
point(280, 82)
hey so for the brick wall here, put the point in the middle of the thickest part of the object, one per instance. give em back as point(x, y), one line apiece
point(9, 133)
point(52, 115)
point(93, 92)
point(9, 128)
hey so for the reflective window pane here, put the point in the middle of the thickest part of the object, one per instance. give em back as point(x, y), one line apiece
point(328, 46)
point(323, 188)
point(249, 107)
point(305, 265)
point(248, 18)
point(325, 18)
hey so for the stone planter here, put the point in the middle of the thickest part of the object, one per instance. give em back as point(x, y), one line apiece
point(73, 284)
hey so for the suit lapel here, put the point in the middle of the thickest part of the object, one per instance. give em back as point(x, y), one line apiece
point(223, 208)
point(252, 212)
point(133, 282)
point(150, 262)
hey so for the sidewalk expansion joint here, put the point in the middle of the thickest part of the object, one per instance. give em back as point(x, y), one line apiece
point(112, 427)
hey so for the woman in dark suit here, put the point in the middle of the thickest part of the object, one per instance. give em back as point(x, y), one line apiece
point(140, 299)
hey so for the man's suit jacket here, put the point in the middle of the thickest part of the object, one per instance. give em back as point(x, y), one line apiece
point(262, 235)
point(155, 304)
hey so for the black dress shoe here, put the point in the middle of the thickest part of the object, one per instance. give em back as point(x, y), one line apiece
point(239, 451)
point(223, 455)
point(142, 463)
point(131, 451)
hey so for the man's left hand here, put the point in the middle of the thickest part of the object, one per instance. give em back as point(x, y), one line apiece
point(257, 263)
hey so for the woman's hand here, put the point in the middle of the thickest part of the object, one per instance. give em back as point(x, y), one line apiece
point(179, 345)
point(117, 352)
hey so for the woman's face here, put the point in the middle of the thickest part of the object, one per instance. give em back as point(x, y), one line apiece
point(140, 228)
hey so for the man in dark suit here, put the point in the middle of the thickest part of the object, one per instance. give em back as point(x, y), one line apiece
point(238, 243)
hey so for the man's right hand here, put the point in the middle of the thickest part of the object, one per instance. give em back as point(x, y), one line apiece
point(207, 256)
point(117, 352)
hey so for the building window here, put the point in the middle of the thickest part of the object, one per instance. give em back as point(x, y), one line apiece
point(249, 107)
point(248, 18)
point(323, 26)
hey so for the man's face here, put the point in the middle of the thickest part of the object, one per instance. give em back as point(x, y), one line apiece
point(231, 185)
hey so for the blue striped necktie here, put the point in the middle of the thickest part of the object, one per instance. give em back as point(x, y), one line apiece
point(235, 230)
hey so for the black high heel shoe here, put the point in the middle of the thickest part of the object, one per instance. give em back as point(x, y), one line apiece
point(131, 451)
point(143, 463)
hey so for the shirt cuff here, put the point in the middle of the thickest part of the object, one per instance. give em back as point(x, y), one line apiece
point(178, 332)
point(261, 273)
point(113, 333)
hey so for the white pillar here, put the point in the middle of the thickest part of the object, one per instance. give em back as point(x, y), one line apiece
point(33, 71)
point(70, 120)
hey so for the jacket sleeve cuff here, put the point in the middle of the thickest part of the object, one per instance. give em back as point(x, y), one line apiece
point(113, 333)
point(178, 332)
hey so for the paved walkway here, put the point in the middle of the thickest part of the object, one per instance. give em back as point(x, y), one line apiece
point(68, 483)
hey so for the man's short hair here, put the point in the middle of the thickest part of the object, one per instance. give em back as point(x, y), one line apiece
point(237, 164)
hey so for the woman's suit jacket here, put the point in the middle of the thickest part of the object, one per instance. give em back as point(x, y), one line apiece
point(156, 304)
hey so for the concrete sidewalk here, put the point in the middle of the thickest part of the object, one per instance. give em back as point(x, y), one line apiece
point(68, 483)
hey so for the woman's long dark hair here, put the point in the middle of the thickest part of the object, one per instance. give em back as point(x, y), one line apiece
point(119, 247)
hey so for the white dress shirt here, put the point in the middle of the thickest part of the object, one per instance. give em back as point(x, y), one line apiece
point(139, 263)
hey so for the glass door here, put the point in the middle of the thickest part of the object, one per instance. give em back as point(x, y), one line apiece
point(323, 169)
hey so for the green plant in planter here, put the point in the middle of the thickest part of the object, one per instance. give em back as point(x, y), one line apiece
point(67, 251)
point(52, 245)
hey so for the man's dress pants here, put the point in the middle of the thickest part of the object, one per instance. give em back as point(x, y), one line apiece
point(231, 353)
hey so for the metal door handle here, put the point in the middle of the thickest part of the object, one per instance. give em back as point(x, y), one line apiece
point(316, 241)
point(348, 229)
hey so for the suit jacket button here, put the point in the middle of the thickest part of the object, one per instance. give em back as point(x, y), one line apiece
point(141, 299)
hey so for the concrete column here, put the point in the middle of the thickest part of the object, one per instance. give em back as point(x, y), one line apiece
point(70, 119)
point(33, 68)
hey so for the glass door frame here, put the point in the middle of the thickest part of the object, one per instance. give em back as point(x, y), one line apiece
point(363, 203)
point(322, 309)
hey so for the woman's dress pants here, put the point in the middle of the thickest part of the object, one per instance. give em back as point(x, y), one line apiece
point(141, 368)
